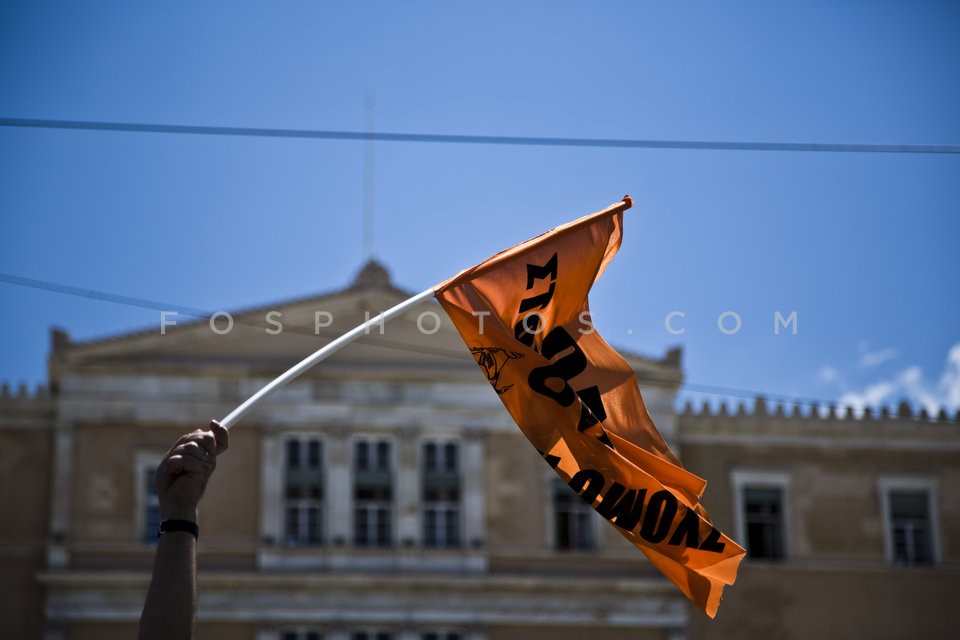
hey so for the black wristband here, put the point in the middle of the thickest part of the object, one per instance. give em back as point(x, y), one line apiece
point(166, 526)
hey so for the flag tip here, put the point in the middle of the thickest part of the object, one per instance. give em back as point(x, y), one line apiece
point(628, 200)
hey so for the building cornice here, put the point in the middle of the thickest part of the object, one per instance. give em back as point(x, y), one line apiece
point(271, 598)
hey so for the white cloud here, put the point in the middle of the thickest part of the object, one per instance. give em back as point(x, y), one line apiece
point(949, 385)
point(910, 385)
point(869, 397)
point(828, 374)
point(870, 359)
point(911, 380)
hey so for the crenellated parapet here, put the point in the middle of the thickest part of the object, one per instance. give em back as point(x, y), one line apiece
point(763, 409)
point(766, 423)
point(24, 402)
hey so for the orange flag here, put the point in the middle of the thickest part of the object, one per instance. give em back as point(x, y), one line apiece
point(524, 315)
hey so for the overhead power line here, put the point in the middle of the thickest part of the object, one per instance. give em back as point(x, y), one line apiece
point(441, 138)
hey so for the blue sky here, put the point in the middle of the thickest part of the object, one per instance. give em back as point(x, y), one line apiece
point(862, 246)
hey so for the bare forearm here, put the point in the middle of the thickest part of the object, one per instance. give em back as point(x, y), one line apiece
point(172, 600)
point(182, 475)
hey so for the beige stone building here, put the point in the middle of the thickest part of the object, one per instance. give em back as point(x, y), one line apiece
point(387, 495)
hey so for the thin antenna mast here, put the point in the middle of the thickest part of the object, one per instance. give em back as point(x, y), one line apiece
point(368, 205)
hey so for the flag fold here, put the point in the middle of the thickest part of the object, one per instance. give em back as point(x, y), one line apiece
point(525, 316)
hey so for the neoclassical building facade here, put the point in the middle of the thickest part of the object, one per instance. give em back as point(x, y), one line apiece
point(387, 495)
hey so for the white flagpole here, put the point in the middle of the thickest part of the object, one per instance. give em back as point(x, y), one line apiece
point(319, 355)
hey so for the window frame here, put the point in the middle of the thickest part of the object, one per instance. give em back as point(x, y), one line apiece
point(441, 634)
point(886, 485)
point(743, 479)
point(373, 468)
point(554, 484)
point(142, 463)
point(301, 633)
point(441, 469)
point(303, 504)
point(372, 633)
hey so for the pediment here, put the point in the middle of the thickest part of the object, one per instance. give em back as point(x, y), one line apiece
point(274, 337)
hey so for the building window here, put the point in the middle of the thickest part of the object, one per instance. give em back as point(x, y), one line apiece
point(763, 522)
point(151, 504)
point(573, 520)
point(303, 491)
point(441, 491)
point(910, 519)
point(301, 634)
point(371, 635)
point(147, 510)
point(761, 502)
point(373, 493)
